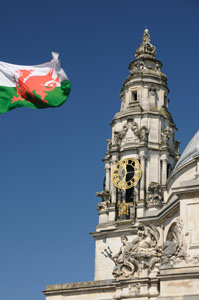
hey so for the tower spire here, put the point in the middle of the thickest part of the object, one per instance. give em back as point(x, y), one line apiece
point(146, 48)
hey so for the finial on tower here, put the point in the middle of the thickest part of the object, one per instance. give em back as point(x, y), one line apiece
point(146, 48)
point(146, 36)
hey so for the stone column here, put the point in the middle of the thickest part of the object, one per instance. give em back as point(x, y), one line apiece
point(113, 188)
point(143, 176)
point(164, 171)
point(113, 192)
point(107, 177)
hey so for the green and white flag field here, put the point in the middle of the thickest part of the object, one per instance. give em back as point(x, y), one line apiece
point(39, 86)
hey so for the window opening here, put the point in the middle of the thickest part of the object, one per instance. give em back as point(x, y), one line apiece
point(134, 95)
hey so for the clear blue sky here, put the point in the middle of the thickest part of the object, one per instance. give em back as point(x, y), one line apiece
point(51, 159)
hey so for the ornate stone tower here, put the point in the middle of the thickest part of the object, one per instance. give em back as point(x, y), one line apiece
point(147, 239)
point(143, 129)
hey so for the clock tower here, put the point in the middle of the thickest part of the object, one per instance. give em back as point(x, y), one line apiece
point(142, 142)
point(147, 238)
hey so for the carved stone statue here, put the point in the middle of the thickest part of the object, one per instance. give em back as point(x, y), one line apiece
point(177, 149)
point(165, 135)
point(146, 240)
point(146, 47)
point(119, 135)
point(141, 133)
point(174, 248)
point(122, 267)
point(139, 255)
point(133, 126)
point(106, 200)
point(109, 145)
point(154, 194)
point(144, 133)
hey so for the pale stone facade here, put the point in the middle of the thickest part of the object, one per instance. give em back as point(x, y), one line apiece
point(151, 249)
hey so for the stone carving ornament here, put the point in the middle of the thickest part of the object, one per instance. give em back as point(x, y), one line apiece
point(157, 66)
point(106, 200)
point(139, 65)
point(133, 126)
point(146, 47)
point(174, 249)
point(119, 135)
point(177, 149)
point(132, 290)
point(143, 253)
point(154, 196)
point(152, 90)
point(141, 133)
point(165, 135)
point(109, 145)
point(144, 134)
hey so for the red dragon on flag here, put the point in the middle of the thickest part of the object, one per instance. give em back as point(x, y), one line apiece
point(40, 86)
point(26, 85)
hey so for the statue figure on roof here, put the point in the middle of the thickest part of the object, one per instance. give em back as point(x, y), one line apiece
point(146, 47)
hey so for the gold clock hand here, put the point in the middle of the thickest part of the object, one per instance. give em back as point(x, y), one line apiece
point(125, 172)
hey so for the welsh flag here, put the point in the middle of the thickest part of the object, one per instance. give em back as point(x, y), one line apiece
point(39, 86)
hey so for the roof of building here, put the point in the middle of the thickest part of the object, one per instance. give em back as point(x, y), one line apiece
point(191, 150)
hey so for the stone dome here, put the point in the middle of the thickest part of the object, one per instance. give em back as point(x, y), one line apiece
point(191, 150)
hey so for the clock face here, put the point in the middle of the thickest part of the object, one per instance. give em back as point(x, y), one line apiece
point(126, 173)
